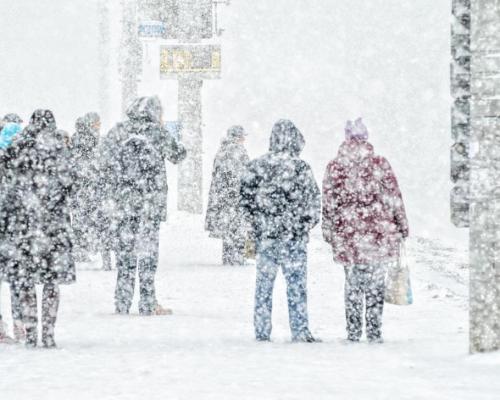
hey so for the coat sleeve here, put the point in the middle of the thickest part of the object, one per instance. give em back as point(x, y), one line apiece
point(328, 210)
point(312, 199)
point(390, 183)
point(172, 149)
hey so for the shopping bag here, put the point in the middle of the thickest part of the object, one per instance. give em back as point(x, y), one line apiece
point(250, 249)
point(398, 284)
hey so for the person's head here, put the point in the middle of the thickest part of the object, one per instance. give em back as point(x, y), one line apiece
point(43, 119)
point(90, 122)
point(237, 133)
point(12, 118)
point(356, 131)
point(285, 137)
point(146, 109)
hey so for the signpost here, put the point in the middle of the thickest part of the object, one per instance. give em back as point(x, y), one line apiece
point(475, 158)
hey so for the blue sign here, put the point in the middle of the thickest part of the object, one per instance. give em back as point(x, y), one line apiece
point(152, 29)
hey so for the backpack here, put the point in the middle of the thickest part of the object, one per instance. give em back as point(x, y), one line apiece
point(140, 167)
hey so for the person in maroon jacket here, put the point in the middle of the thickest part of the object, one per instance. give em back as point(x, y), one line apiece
point(364, 220)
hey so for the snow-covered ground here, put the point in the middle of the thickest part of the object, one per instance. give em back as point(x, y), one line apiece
point(206, 349)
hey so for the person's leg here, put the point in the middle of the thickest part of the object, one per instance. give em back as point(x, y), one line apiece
point(106, 260)
point(126, 264)
point(226, 251)
point(29, 312)
point(293, 260)
point(353, 297)
point(17, 316)
point(375, 292)
point(148, 264)
point(266, 274)
point(50, 306)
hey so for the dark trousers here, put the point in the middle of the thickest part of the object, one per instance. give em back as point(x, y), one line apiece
point(138, 248)
point(15, 300)
point(364, 284)
point(50, 306)
point(233, 250)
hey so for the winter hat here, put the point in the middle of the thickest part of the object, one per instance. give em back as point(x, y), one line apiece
point(236, 131)
point(11, 117)
point(87, 121)
point(145, 109)
point(356, 130)
point(9, 130)
point(43, 119)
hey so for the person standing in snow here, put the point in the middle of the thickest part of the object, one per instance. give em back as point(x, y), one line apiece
point(134, 166)
point(35, 222)
point(84, 203)
point(364, 220)
point(9, 132)
point(281, 200)
point(224, 218)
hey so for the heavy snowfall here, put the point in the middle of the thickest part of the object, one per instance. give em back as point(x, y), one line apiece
point(325, 145)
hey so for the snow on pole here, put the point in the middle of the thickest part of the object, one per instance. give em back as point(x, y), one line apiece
point(130, 53)
point(485, 176)
point(104, 58)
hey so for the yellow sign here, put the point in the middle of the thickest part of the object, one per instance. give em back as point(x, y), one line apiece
point(204, 60)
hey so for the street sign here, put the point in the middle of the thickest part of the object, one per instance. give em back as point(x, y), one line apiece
point(198, 61)
point(152, 29)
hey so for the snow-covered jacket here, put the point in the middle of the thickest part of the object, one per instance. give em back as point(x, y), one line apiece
point(143, 122)
point(364, 217)
point(85, 197)
point(35, 224)
point(224, 214)
point(279, 195)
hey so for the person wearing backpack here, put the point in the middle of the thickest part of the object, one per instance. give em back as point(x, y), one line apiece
point(35, 222)
point(281, 201)
point(134, 155)
point(364, 221)
point(224, 219)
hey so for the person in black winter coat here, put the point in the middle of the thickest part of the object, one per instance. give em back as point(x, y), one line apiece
point(35, 222)
point(224, 218)
point(282, 202)
point(84, 200)
point(134, 154)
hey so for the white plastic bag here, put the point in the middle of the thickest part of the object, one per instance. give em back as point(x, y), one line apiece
point(397, 283)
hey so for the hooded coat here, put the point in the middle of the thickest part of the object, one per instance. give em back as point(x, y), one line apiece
point(279, 195)
point(224, 215)
point(143, 124)
point(85, 201)
point(35, 222)
point(364, 217)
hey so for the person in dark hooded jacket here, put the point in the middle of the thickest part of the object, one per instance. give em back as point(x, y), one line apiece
point(84, 201)
point(35, 222)
point(224, 218)
point(281, 200)
point(134, 155)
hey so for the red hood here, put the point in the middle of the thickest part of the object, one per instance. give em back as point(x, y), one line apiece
point(355, 151)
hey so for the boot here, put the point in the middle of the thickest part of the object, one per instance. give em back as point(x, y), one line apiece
point(50, 307)
point(31, 336)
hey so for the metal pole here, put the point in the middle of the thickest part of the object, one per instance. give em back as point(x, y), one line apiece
point(104, 58)
point(190, 173)
point(485, 176)
point(130, 50)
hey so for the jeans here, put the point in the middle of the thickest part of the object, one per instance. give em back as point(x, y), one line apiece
point(364, 284)
point(291, 256)
point(50, 306)
point(138, 247)
point(15, 301)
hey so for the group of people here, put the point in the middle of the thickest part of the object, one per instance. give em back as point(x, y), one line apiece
point(273, 202)
point(64, 197)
